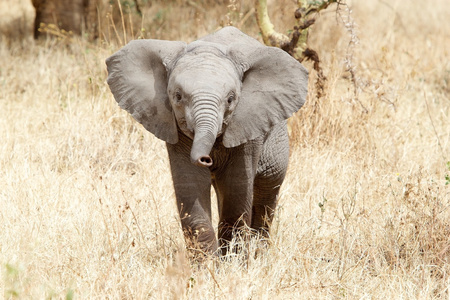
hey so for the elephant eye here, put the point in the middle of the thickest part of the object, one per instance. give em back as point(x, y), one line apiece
point(230, 99)
point(178, 96)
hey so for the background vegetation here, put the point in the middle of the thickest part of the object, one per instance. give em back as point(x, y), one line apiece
point(87, 208)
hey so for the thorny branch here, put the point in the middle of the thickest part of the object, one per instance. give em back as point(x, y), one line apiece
point(297, 44)
point(350, 26)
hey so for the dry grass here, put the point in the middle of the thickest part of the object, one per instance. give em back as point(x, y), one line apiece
point(87, 206)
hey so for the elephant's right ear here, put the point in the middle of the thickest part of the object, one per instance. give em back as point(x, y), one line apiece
point(137, 77)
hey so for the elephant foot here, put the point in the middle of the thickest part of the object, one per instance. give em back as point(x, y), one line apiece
point(233, 239)
point(201, 242)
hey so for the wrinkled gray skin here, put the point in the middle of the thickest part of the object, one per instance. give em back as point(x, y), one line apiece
point(221, 105)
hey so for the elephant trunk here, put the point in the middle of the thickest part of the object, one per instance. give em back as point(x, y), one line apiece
point(206, 117)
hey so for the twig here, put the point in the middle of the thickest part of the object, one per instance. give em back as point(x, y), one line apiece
point(115, 29)
point(123, 23)
point(349, 24)
point(434, 128)
point(159, 223)
point(127, 206)
point(138, 8)
point(246, 17)
point(214, 278)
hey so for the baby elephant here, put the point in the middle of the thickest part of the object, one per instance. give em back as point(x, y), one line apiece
point(220, 104)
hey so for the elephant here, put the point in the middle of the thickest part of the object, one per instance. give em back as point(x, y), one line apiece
point(221, 104)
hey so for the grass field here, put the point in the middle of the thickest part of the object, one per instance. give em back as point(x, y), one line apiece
point(87, 208)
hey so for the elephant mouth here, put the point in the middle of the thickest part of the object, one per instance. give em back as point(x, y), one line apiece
point(188, 133)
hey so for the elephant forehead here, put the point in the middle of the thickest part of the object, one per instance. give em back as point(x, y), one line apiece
point(204, 60)
point(205, 81)
point(200, 71)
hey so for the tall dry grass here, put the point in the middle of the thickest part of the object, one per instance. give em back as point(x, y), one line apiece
point(87, 208)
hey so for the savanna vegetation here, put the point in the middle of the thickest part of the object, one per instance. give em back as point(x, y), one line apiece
point(87, 208)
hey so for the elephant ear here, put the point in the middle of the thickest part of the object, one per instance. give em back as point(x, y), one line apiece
point(137, 77)
point(274, 86)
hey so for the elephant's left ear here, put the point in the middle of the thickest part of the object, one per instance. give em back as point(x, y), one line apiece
point(274, 86)
point(137, 77)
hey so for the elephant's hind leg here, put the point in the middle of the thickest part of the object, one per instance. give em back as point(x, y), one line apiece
point(271, 172)
point(265, 198)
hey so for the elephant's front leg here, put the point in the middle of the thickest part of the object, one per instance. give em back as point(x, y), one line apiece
point(192, 186)
point(234, 184)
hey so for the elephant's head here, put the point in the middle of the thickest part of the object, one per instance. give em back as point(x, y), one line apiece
point(225, 83)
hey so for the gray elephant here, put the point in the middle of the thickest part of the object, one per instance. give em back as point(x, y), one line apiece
point(221, 105)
